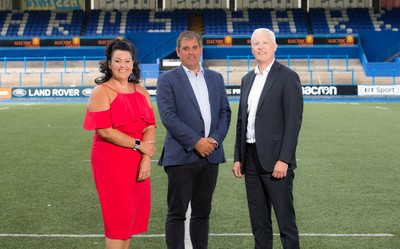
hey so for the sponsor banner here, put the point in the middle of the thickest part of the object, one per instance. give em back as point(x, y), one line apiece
point(219, 41)
point(309, 90)
point(5, 93)
point(329, 90)
point(300, 41)
point(230, 90)
point(74, 42)
point(152, 90)
point(323, 90)
point(83, 92)
point(51, 92)
point(52, 5)
point(378, 90)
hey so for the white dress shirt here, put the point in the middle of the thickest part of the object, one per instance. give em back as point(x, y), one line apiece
point(200, 90)
point(252, 102)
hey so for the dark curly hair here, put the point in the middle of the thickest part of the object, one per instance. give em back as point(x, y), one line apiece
point(124, 45)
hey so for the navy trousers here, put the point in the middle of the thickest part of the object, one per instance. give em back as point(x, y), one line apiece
point(263, 193)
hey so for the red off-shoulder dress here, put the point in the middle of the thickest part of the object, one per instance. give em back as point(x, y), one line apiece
point(125, 202)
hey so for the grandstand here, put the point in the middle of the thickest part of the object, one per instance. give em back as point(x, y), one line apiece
point(212, 21)
point(52, 24)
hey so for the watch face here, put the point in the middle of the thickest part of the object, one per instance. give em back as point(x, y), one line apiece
point(137, 144)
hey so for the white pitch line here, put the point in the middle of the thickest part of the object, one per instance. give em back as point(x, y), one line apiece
point(155, 160)
point(188, 241)
point(211, 234)
point(349, 235)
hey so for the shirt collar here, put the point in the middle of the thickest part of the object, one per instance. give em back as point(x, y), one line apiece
point(265, 71)
point(187, 70)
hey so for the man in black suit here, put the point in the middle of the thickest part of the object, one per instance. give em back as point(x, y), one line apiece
point(268, 126)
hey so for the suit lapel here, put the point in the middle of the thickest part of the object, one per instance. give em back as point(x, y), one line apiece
point(246, 91)
point(212, 93)
point(184, 80)
point(272, 74)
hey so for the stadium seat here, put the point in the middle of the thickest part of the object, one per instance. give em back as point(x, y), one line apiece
point(352, 20)
point(388, 19)
point(41, 23)
point(216, 21)
point(135, 20)
point(240, 22)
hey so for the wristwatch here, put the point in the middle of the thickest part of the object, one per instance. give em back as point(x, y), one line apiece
point(137, 144)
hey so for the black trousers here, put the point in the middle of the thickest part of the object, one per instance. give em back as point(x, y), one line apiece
point(264, 191)
point(194, 183)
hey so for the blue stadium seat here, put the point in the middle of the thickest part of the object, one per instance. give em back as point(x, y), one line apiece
point(216, 21)
point(41, 23)
point(352, 20)
point(388, 19)
point(289, 21)
point(150, 21)
point(318, 21)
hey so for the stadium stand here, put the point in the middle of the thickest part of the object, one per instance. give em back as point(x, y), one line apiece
point(41, 23)
point(389, 19)
point(214, 21)
point(352, 20)
point(217, 21)
point(243, 22)
point(65, 23)
point(104, 22)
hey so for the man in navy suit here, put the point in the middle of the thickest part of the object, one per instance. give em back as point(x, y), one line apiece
point(268, 126)
point(195, 111)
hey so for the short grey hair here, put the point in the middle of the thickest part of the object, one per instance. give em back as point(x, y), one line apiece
point(263, 30)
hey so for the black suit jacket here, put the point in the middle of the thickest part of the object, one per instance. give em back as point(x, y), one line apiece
point(278, 117)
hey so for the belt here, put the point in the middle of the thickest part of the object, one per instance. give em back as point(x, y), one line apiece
point(252, 145)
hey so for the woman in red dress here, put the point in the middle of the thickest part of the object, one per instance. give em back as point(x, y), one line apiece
point(120, 112)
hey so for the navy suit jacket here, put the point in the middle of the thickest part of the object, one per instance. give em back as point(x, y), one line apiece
point(278, 117)
point(181, 116)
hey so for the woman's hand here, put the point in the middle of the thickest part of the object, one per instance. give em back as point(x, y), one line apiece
point(144, 168)
point(147, 148)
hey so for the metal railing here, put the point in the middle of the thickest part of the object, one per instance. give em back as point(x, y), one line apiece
point(81, 71)
point(63, 61)
point(328, 70)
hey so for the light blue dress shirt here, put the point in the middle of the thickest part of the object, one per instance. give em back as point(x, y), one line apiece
point(199, 86)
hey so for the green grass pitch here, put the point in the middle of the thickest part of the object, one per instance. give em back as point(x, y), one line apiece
point(346, 187)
